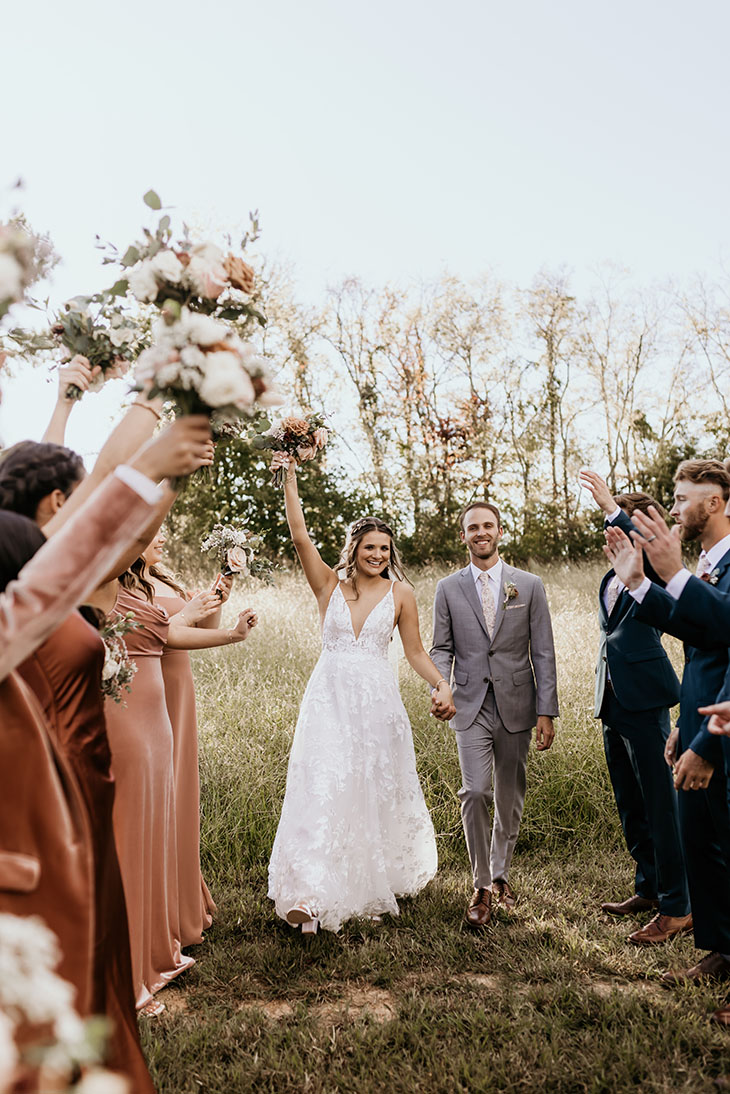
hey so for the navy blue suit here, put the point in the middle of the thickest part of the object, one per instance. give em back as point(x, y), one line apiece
point(635, 687)
point(704, 814)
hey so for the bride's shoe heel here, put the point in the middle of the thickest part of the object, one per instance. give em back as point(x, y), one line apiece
point(311, 926)
point(302, 915)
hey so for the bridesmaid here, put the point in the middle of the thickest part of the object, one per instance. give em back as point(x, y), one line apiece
point(196, 905)
point(141, 739)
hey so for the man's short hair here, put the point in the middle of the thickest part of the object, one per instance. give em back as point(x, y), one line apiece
point(710, 472)
point(630, 502)
point(479, 505)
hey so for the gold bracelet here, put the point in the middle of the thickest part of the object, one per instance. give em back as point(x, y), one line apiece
point(146, 406)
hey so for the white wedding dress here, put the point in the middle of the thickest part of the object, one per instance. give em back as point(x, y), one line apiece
point(354, 829)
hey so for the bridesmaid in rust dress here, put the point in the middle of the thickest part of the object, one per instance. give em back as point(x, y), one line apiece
point(195, 902)
point(142, 748)
point(65, 675)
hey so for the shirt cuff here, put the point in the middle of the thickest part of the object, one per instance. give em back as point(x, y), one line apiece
point(614, 515)
point(148, 490)
point(640, 592)
point(675, 585)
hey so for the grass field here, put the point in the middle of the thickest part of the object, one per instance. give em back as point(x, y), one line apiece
point(554, 999)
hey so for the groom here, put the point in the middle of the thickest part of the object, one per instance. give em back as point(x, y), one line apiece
point(492, 625)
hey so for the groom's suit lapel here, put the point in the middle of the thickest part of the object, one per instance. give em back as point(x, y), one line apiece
point(470, 592)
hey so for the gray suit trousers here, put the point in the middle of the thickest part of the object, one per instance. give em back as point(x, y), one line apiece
point(493, 765)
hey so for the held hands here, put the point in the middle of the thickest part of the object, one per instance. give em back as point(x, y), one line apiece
point(283, 460)
point(544, 732)
point(77, 373)
point(221, 587)
point(691, 772)
point(199, 607)
point(720, 718)
point(598, 487)
point(442, 702)
point(247, 620)
point(625, 557)
point(661, 544)
point(177, 450)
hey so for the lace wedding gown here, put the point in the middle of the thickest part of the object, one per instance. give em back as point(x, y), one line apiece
point(354, 829)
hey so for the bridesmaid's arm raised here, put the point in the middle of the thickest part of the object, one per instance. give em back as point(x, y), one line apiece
point(321, 577)
point(418, 659)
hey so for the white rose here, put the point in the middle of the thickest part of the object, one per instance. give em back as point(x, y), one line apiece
point(225, 382)
point(142, 281)
point(119, 336)
point(208, 252)
point(11, 280)
point(205, 278)
point(204, 331)
point(167, 266)
point(8, 1052)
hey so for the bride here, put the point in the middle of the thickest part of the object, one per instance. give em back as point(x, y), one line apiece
point(354, 830)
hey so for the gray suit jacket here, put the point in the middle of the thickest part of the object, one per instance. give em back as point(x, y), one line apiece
point(519, 661)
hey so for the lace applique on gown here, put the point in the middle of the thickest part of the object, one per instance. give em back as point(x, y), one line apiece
point(354, 830)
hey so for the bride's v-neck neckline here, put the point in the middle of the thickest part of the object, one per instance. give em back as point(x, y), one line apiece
point(364, 622)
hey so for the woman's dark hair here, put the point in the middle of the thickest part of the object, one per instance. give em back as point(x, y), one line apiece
point(20, 538)
point(135, 579)
point(30, 471)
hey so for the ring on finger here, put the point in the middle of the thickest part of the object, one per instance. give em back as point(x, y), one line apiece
point(650, 538)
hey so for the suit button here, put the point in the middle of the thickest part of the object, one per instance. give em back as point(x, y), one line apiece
point(486, 679)
point(490, 653)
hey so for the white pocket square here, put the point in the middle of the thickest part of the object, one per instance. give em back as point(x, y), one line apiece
point(511, 607)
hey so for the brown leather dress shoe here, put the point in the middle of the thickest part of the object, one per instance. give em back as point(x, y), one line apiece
point(722, 1017)
point(712, 967)
point(632, 906)
point(660, 929)
point(479, 912)
point(503, 894)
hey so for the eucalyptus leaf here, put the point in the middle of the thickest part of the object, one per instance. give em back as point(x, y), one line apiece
point(261, 442)
point(152, 200)
point(262, 425)
point(131, 255)
point(164, 223)
point(119, 288)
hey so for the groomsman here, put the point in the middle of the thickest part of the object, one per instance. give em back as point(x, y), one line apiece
point(702, 491)
point(492, 627)
point(635, 687)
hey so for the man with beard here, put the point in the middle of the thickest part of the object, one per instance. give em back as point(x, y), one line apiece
point(492, 627)
point(702, 490)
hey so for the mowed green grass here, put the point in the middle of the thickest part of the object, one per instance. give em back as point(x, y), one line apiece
point(553, 999)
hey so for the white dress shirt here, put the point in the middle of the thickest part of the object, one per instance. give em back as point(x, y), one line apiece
point(675, 585)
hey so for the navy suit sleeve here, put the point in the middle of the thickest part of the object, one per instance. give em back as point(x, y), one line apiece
point(661, 610)
point(702, 604)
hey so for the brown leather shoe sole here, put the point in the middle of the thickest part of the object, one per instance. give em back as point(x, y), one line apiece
point(710, 968)
point(656, 937)
point(632, 906)
point(722, 1017)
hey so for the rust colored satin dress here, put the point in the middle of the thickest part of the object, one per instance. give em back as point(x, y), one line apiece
point(196, 904)
point(140, 736)
point(65, 675)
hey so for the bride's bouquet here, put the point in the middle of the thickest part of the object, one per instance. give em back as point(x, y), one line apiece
point(201, 365)
point(98, 328)
point(119, 668)
point(235, 549)
point(303, 438)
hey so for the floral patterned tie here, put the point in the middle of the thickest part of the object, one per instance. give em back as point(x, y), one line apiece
point(488, 607)
point(703, 567)
point(613, 591)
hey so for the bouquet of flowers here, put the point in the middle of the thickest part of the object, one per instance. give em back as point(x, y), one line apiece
point(301, 438)
point(201, 365)
point(99, 329)
point(235, 548)
point(119, 668)
point(175, 274)
point(42, 1037)
point(24, 258)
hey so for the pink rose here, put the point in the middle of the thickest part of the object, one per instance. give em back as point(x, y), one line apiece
point(306, 452)
point(320, 437)
point(206, 278)
point(236, 559)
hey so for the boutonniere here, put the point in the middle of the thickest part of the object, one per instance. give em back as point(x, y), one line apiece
point(714, 576)
point(511, 592)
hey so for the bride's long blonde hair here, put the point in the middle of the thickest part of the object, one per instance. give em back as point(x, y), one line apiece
point(355, 533)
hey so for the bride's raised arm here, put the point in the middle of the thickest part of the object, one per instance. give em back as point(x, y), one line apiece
point(321, 577)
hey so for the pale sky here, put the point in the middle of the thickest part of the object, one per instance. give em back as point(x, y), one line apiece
point(389, 139)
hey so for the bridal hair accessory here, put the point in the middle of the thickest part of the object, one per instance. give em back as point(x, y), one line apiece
point(511, 592)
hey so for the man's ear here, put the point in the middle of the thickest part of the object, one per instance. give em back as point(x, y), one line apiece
point(462, 537)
